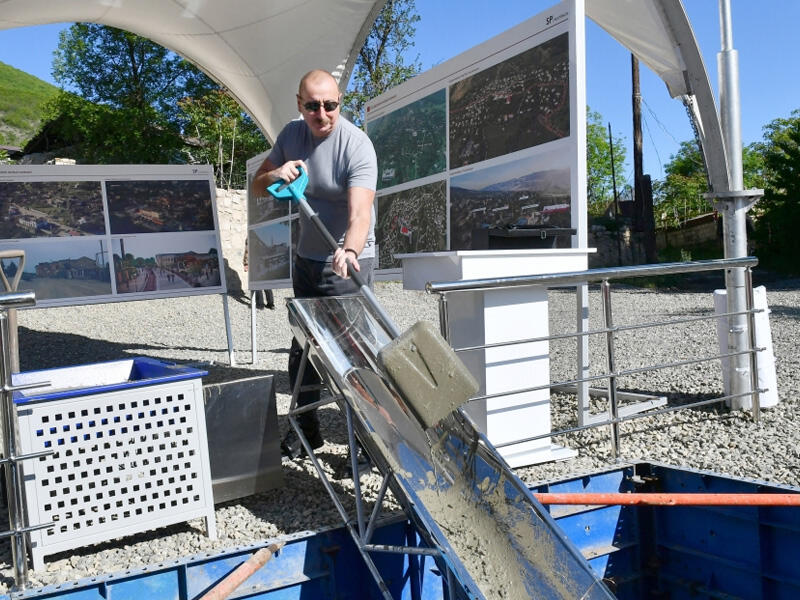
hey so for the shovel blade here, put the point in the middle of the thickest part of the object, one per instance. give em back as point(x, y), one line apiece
point(427, 372)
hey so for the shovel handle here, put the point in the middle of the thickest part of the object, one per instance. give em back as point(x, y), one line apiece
point(294, 191)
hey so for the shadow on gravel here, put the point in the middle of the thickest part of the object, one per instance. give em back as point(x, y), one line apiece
point(790, 312)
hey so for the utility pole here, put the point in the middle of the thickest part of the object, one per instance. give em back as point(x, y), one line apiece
point(642, 189)
point(636, 97)
point(613, 173)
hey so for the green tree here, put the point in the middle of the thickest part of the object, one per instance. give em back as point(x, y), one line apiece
point(679, 196)
point(226, 135)
point(381, 64)
point(132, 87)
point(98, 133)
point(599, 182)
point(778, 213)
point(120, 69)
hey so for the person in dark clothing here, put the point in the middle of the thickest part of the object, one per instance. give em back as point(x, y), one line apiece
point(342, 170)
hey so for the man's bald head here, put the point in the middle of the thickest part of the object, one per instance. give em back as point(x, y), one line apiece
point(315, 78)
point(318, 90)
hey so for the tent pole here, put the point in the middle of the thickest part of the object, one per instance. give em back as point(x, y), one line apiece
point(734, 205)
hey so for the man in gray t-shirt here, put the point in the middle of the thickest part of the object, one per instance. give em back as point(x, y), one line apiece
point(342, 176)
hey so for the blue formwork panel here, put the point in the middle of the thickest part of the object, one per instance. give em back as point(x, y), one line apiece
point(323, 565)
point(678, 552)
point(97, 378)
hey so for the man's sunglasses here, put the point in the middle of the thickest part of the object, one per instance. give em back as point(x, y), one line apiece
point(328, 105)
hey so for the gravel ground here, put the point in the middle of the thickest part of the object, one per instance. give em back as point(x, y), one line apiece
point(191, 330)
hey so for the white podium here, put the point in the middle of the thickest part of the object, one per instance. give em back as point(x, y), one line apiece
point(502, 315)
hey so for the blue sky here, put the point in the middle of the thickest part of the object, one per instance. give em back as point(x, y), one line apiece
point(763, 33)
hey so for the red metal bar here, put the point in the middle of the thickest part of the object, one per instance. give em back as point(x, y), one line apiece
point(668, 499)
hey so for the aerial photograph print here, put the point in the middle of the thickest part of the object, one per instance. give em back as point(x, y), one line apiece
point(414, 220)
point(153, 206)
point(51, 209)
point(518, 103)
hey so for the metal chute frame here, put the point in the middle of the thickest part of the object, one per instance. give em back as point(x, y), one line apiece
point(427, 469)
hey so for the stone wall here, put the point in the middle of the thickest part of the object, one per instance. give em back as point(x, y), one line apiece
point(615, 248)
point(232, 216)
point(695, 232)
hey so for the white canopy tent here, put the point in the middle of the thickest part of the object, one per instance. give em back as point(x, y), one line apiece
point(258, 49)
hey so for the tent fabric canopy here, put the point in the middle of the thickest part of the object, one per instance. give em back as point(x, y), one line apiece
point(257, 49)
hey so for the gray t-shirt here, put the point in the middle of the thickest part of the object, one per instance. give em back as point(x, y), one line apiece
point(345, 158)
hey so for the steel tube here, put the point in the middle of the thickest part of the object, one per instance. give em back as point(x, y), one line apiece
point(13, 475)
point(751, 326)
point(563, 336)
point(667, 499)
point(618, 374)
point(613, 408)
point(592, 275)
point(651, 413)
point(17, 299)
point(351, 443)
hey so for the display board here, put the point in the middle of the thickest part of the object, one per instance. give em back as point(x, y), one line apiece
point(494, 137)
point(107, 233)
point(271, 235)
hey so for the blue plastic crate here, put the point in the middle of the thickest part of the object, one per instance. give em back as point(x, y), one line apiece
point(83, 380)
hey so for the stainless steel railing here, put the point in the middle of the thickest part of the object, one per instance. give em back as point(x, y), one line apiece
point(10, 432)
point(612, 373)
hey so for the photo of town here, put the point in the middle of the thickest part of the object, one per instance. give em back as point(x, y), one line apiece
point(154, 206)
point(262, 206)
point(51, 209)
point(411, 142)
point(269, 254)
point(512, 194)
point(61, 268)
point(518, 103)
point(413, 220)
point(158, 263)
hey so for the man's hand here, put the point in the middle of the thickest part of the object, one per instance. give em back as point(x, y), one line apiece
point(288, 171)
point(339, 263)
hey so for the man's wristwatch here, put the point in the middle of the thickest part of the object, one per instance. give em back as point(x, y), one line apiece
point(351, 250)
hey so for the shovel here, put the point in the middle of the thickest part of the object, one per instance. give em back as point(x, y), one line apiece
point(420, 362)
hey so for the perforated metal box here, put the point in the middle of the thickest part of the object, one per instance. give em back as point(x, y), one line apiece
point(130, 452)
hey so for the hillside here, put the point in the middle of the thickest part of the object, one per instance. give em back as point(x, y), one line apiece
point(21, 99)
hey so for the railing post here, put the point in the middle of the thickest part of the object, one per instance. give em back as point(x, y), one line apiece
point(444, 323)
point(13, 476)
point(613, 409)
point(751, 326)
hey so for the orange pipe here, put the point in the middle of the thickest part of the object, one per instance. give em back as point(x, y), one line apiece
point(238, 576)
point(667, 499)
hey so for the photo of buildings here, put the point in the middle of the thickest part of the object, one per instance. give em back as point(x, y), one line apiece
point(519, 103)
point(262, 206)
point(51, 209)
point(153, 206)
point(157, 263)
point(513, 194)
point(61, 268)
point(411, 141)
point(413, 220)
point(269, 255)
